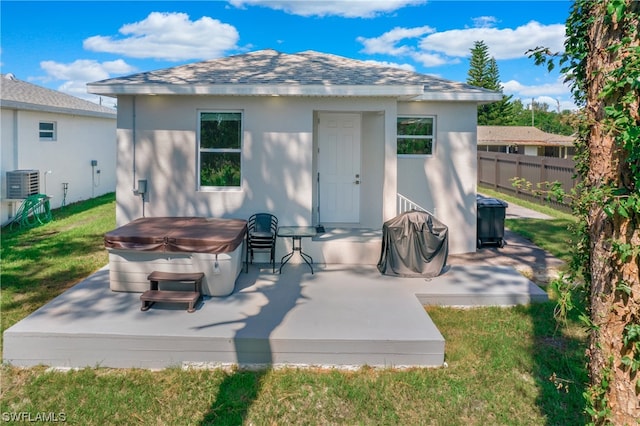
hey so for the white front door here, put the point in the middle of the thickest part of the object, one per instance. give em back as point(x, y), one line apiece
point(339, 167)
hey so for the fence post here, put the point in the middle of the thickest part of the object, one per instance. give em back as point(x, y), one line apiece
point(518, 174)
point(543, 176)
point(496, 174)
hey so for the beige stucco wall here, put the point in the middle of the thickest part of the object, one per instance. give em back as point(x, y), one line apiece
point(279, 170)
point(80, 139)
point(445, 183)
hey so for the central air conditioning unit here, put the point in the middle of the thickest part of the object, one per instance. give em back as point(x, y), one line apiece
point(22, 183)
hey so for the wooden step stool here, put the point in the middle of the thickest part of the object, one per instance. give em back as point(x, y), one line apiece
point(153, 295)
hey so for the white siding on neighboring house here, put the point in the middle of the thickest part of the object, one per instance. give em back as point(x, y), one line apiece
point(531, 150)
point(80, 136)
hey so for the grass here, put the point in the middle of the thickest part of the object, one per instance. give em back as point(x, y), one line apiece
point(553, 235)
point(506, 366)
point(40, 263)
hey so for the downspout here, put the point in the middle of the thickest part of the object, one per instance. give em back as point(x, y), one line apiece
point(12, 209)
point(142, 184)
point(16, 145)
point(133, 135)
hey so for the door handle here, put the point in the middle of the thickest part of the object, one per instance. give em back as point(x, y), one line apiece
point(357, 182)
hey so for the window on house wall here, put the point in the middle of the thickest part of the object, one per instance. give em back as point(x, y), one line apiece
point(220, 142)
point(47, 130)
point(416, 135)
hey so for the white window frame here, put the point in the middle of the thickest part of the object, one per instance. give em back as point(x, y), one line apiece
point(53, 132)
point(432, 136)
point(200, 150)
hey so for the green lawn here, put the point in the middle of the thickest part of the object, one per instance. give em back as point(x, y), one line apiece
point(506, 366)
point(40, 263)
point(552, 235)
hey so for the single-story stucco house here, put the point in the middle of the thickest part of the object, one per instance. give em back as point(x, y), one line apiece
point(310, 137)
point(54, 144)
point(526, 140)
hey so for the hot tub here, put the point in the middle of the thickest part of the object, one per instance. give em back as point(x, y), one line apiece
point(176, 244)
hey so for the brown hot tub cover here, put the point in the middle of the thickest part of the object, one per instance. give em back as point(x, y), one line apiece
point(178, 234)
point(414, 244)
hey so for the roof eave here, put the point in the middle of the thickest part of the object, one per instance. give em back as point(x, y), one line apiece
point(523, 143)
point(461, 96)
point(26, 106)
point(256, 90)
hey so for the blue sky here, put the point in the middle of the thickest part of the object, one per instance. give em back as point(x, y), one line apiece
point(64, 45)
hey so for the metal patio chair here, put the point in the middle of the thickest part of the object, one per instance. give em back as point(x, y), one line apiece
point(262, 233)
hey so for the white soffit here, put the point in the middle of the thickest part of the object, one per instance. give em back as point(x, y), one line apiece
point(483, 97)
point(257, 90)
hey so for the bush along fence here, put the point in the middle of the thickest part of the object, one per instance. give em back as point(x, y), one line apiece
point(502, 172)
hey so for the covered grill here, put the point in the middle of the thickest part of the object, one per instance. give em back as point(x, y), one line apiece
point(414, 244)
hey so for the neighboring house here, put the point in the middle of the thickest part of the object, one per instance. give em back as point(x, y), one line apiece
point(310, 137)
point(65, 145)
point(524, 140)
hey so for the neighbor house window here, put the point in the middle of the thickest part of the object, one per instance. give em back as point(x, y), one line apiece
point(220, 149)
point(47, 130)
point(416, 135)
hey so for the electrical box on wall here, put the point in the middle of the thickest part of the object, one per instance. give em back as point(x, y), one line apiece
point(22, 183)
point(142, 187)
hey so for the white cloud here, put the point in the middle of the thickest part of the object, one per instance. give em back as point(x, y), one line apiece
point(387, 43)
point(503, 43)
point(395, 43)
point(77, 74)
point(432, 59)
point(554, 103)
point(449, 47)
point(548, 93)
point(555, 88)
point(169, 36)
point(85, 69)
point(407, 67)
point(484, 21)
point(346, 9)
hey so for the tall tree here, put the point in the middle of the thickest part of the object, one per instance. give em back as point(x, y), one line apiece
point(483, 72)
point(478, 74)
point(602, 62)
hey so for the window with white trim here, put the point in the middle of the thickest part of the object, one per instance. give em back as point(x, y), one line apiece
point(47, 130)
point(416, 135)
point(219, 149)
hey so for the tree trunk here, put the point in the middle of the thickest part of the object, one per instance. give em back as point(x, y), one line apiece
point(615, 386)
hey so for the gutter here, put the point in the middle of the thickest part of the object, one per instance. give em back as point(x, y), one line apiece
point(25, 106)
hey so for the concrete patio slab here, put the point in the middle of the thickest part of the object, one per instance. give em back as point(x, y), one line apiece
point(342, 316)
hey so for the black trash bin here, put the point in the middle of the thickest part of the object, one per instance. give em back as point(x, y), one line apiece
point(491, 214)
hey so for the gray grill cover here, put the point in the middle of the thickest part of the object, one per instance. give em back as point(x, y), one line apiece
point(414, 244)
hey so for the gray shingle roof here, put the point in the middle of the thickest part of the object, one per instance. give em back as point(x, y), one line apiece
point(520, 135)
point(267, 72)
point(19, 94)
